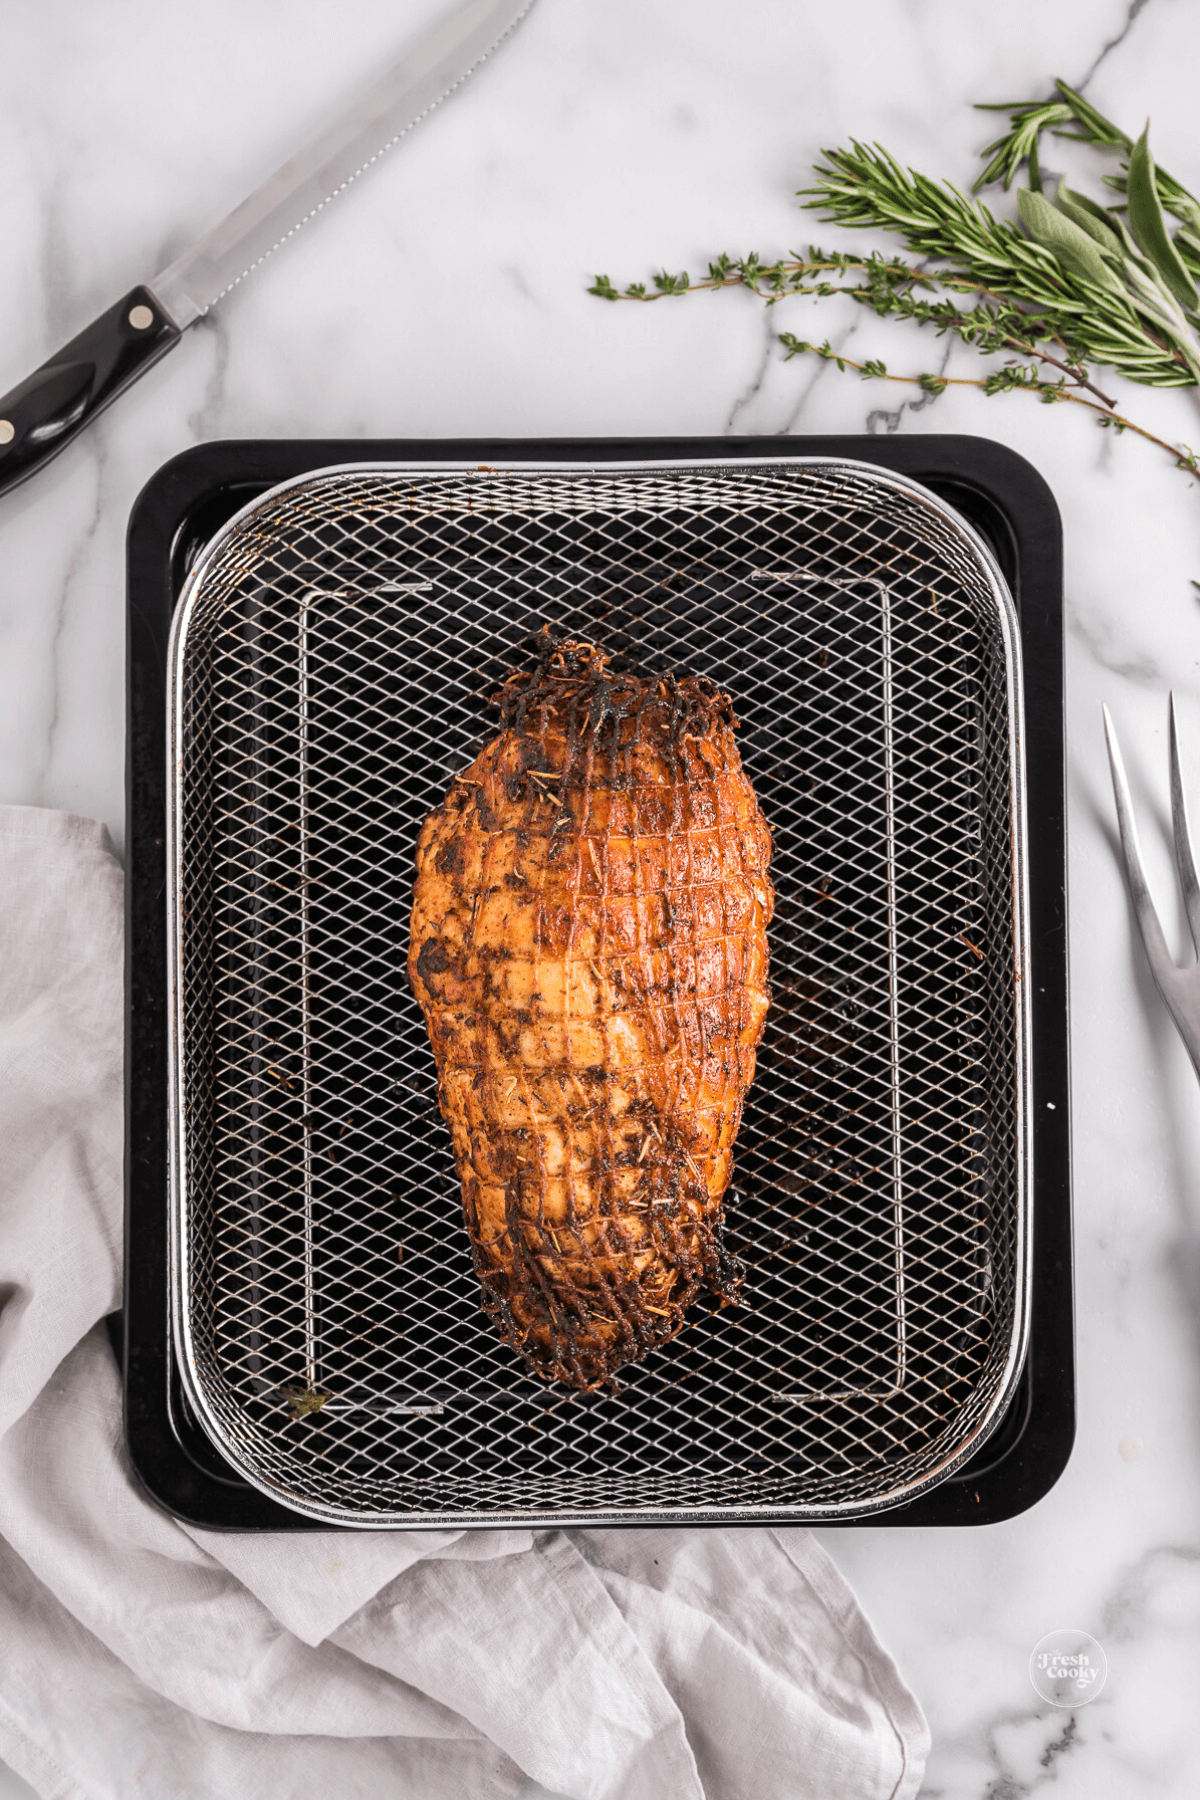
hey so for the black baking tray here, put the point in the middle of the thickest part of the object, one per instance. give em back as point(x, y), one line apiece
point(177, 513)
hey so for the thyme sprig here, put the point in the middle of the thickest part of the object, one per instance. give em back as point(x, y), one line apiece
point(1011, 378)
point(890, 287)
point(1074, 284)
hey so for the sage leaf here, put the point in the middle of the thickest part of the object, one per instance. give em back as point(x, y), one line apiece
point(1148, 224)
point(1089, 217)
point(1067, 242)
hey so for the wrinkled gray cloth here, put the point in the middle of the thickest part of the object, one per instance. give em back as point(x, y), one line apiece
point(139, 1657)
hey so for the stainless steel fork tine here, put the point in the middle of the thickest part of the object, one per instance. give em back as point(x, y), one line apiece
point(1184, 856)
point(1157, 954)
point(1178, 987)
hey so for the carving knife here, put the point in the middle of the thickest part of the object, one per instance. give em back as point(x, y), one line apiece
point(43, 413)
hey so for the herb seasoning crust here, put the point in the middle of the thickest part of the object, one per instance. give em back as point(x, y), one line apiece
point(589, 950)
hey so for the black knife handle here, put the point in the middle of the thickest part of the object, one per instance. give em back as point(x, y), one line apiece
point(40, 416)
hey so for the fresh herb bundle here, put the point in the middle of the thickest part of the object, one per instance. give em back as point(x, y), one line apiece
point(1081, 285)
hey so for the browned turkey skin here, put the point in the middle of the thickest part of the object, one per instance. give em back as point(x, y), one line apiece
point(589, 949)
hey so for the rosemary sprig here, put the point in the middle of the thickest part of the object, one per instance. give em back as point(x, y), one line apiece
point(1075, 284)
point(1102, 296)
point(1029, 118)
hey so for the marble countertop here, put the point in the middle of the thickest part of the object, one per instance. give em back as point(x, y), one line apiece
point(445, 296)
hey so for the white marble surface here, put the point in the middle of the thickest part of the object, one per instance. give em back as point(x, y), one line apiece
point(446, 296)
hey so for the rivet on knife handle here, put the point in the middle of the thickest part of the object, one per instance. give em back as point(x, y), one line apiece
point(41, 415)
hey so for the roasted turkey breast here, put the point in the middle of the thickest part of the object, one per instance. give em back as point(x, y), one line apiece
point(589, 949)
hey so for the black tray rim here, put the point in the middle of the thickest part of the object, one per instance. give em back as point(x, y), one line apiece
point(186, 504)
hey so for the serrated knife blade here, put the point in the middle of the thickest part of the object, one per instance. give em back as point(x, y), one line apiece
point(42, 414)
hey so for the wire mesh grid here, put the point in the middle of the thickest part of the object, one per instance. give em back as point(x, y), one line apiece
point(333, 657)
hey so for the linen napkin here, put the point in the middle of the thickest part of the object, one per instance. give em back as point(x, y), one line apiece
point(139, 1657)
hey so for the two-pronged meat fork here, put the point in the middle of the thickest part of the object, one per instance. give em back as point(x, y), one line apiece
point(1180, 988)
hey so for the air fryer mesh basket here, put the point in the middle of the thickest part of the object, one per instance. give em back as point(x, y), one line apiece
point(332, 660)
